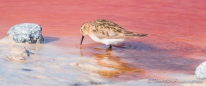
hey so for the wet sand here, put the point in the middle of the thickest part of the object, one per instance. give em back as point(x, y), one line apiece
point(173, 49)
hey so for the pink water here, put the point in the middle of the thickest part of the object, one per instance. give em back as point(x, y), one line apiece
point(175, 44)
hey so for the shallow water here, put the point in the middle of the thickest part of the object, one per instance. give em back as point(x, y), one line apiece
point(175, 44)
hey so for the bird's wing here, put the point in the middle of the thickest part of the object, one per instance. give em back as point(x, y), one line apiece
point(107, 29)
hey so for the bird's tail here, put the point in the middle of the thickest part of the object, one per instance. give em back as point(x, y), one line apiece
point(138, 35)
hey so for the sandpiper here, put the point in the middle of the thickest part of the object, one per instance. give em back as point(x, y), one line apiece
point(106, 32)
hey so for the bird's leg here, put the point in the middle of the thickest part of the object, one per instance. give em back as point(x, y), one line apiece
point(109, 48)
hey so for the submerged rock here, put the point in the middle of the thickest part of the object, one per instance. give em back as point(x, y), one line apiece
point(20, 52)
point(26, 32)
point(201, 71)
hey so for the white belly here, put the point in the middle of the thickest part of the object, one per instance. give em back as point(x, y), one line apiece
point(106, 41)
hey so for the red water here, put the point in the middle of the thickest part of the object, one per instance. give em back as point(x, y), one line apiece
point(176, 28)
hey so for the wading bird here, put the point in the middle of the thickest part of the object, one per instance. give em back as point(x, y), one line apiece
point(106, 32)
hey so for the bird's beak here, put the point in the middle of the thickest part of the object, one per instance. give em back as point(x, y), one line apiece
point(82, 40)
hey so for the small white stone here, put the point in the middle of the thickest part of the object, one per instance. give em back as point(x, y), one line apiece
point(201, 71)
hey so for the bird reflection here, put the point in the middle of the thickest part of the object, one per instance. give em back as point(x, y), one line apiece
point(119, 66)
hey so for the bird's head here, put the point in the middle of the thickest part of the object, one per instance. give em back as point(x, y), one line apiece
point(85, 30)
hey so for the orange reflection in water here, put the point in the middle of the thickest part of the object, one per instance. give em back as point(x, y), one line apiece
point(119, 66)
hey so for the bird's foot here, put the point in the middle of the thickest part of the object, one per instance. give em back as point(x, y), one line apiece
point(109, 48)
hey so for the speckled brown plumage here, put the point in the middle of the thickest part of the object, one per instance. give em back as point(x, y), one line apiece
point(106, 29)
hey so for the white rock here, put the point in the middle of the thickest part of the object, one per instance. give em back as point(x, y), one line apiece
point(201, 71)
point(26, 32)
